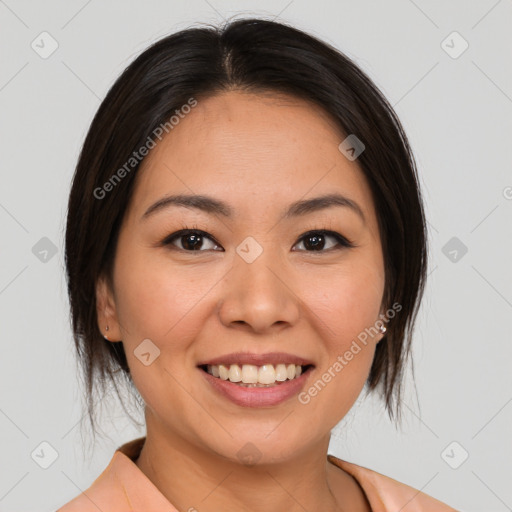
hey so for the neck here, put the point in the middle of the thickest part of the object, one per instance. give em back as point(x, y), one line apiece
point(192, 477)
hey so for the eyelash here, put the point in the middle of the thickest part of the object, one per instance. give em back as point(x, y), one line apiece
point(341, 240)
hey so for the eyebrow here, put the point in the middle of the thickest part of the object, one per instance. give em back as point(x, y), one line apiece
point(213, 206)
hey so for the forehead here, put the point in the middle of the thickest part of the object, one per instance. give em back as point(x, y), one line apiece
point(251, 149)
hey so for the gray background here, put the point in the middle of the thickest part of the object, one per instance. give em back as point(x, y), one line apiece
point(457, 113)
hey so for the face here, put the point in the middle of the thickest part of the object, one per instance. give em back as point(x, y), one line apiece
point(256, 282)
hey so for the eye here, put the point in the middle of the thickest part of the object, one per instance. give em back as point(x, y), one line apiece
point(316, 241)
point(190, 240)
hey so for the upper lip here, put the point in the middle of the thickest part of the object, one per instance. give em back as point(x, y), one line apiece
point(242, 358)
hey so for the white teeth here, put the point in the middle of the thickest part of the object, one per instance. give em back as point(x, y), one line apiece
point(235, 373)
point(281, 373)
point(266, 374)
point(249, 374)
point(223, 372)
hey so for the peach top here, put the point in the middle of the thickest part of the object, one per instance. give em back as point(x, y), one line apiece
point(123, 487)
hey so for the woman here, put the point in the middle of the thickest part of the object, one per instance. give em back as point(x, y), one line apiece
point(246, 244)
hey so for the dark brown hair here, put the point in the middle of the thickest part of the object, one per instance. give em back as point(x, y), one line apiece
point(257, 56)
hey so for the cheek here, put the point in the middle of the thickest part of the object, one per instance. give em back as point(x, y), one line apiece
point(167, 306)
point(347, 302)
point(159, 303)
point(347, 306)
point(154, 299)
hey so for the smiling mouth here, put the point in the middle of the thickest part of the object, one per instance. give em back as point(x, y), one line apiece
point(263, 376)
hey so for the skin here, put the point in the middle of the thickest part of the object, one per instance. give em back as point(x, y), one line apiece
point(258, 153)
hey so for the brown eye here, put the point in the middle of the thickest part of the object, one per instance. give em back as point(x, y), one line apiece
point(190, 240)
point(319, 241)
point(194, 240)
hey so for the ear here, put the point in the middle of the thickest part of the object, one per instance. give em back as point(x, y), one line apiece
point(106, 311)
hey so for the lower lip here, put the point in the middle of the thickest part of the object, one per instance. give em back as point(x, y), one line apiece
point(255, 396)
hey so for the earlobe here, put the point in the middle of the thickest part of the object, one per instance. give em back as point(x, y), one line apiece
point(382, 331)
point(106, 311)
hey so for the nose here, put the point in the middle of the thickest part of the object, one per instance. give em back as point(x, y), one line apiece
point(259, 296)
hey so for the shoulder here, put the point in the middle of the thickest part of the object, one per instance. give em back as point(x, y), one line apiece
point(386, 494)
point(121, 487)
point(78, 504)
point(105, 491)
